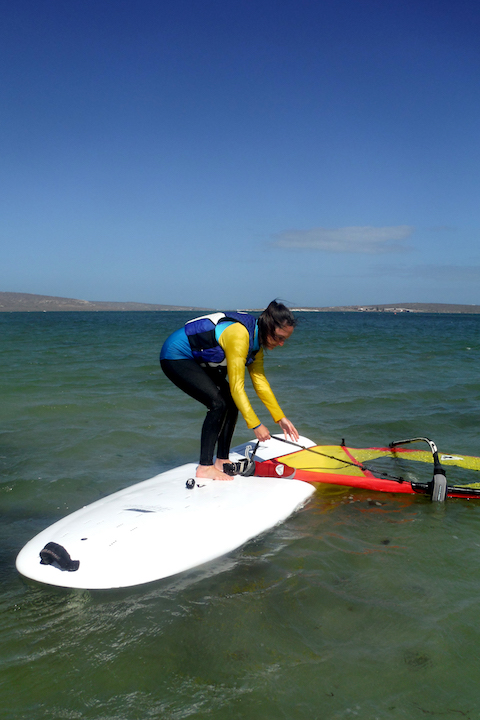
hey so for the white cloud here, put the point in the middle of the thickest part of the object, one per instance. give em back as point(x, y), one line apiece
point(358, 239)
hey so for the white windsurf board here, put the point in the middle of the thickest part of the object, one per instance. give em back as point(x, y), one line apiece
point(159, 528)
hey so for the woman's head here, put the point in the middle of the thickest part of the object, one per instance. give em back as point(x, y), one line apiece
point(275, 325)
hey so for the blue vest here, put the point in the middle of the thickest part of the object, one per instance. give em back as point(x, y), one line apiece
point(201, 336)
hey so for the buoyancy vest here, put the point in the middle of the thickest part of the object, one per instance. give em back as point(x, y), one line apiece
point(201, 336)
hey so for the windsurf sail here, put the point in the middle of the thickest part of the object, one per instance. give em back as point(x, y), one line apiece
point(395, 468)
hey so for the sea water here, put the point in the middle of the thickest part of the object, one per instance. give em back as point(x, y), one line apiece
point(362, 605)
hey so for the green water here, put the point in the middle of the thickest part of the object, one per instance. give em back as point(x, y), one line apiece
point(360, 606)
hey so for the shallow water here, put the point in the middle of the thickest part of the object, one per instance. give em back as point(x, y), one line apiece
point(360, 606)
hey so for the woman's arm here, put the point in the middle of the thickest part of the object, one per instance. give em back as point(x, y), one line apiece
point(262, 387)
point(234, 341)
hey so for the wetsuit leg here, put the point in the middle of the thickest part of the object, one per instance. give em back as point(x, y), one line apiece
point(226, 433)
point(210, 387)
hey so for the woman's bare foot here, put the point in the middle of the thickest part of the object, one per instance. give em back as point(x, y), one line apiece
point(210, 471)
point(219, 463)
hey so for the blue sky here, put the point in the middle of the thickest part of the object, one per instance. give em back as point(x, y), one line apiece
point(221, 153)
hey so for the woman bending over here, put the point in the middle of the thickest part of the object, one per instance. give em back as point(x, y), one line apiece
point(207, 358)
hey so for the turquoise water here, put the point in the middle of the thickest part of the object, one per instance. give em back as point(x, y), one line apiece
point(360, 606)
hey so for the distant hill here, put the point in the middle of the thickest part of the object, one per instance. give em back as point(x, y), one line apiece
point(400, 307)
point(25, 302)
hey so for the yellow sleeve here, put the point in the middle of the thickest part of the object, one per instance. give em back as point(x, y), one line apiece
point(234, 341)
point(262, 387)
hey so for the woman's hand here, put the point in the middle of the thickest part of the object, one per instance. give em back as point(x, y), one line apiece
point(289, 429)
point(262, 433)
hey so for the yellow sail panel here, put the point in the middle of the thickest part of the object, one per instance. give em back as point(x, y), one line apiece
point(464, 461)
point(337, 459)
point(323, 458)
point(363, 454)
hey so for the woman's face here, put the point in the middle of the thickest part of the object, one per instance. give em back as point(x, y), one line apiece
point(280, 335)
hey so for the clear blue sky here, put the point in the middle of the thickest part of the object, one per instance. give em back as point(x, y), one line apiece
point(222, 153)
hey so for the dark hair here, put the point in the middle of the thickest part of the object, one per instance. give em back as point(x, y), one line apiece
point(275, 316)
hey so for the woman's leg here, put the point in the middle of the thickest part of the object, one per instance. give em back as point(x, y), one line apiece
point(219, 376)
point(210, 387)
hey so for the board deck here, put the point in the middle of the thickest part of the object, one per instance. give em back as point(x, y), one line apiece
point(159, 528)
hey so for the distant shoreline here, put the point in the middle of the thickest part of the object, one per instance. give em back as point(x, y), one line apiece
point(26, 302)
point(400, 308)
